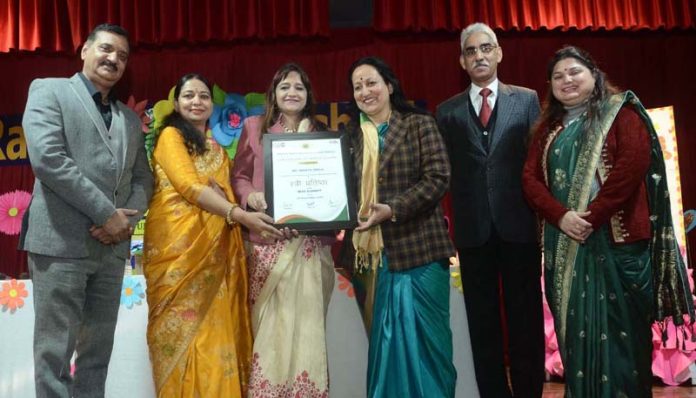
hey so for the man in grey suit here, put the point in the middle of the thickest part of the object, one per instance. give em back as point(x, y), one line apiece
point(485, 129)
point(92, 185)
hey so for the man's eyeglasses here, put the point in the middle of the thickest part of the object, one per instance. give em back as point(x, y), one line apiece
point(485, 48)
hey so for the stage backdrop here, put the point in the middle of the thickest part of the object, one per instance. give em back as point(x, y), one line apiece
point(657, 65)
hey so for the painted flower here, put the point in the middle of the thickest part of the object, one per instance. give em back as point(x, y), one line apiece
point(160, 111)
point(227, 121)
point(12, 295)
point(345, 285)
point(12, 207)
point(140, 109)
point(665, 150)
point(132, 292)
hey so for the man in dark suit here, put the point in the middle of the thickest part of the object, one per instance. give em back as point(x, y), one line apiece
point(485, 129)
point(92, 185)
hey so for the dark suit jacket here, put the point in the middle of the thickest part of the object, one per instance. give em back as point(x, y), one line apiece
point(486, 187)
point(413, 177)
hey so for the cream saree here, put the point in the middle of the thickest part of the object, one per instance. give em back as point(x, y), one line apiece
point(198, 330)
point(290, 288)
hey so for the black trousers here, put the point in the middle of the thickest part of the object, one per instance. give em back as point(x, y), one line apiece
point(518, 267)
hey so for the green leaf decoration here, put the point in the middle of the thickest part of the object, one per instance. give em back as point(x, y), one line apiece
point(171, 94)
point(232, 149)
point(150, 144)
point(161, 110)
point(254, 99)
point(218, 95)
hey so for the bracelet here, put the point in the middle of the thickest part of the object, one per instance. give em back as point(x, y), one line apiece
point(228, 216)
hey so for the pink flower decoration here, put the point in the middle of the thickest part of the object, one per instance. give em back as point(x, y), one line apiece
point(234, 120)
point(344, 284)
point(139, 109)
point(12, 207)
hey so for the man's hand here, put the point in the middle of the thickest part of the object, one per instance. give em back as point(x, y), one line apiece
point(100, 234)
point(118, 226)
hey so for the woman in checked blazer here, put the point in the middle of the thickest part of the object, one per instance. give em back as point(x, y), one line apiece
point(401, 246)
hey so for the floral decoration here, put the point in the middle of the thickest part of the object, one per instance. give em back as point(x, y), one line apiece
point(132, 292)
point(12, 295)
point(140, 109)
point(666, 151)
point(455, 274)
point(345, 285)
point(226, 122)
point(12, 207)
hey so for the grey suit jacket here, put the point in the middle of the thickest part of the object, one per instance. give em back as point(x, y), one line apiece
point(486, 187)
point(80, 178)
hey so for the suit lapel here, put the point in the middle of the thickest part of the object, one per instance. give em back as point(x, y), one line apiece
point(90, 108)
point(119, 131)
point(506, 104)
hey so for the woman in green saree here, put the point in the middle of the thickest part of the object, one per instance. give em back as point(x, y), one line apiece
point(596, 176)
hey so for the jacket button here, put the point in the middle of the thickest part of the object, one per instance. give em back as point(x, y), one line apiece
point(380, 180)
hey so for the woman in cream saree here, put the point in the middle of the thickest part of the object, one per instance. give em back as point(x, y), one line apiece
point(290, 281)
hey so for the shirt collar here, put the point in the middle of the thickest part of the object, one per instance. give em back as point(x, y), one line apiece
point(474, 90)
point(93, 92)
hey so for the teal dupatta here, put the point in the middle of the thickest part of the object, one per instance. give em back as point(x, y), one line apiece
point(604, 296)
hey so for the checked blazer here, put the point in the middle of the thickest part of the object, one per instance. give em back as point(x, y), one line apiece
point(413, 176)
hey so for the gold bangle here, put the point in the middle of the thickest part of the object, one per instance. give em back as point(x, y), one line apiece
point(228, 216)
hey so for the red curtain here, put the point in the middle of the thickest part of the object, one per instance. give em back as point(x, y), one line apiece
point(452, 15)
point(655, 64)
point(62, 25)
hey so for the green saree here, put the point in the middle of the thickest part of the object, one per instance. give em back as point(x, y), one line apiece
point(603, 296)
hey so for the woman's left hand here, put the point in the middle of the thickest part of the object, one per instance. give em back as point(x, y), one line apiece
point(378, 213)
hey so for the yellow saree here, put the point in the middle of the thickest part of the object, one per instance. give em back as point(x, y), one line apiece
point(199, 331)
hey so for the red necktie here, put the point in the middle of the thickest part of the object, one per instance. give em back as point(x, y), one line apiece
point(485, 113)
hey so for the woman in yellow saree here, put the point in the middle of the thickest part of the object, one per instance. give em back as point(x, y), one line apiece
point(199, 331)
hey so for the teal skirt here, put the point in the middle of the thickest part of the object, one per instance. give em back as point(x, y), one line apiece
point(410, 352)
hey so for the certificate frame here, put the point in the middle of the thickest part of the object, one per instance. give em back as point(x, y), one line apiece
point(284, 167)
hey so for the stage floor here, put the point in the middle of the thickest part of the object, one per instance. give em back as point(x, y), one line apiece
point(555, 390)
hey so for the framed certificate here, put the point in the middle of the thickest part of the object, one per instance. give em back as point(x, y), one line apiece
point(307, 181)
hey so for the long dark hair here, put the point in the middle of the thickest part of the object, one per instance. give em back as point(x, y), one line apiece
point(397, 98)
point(194, 140)
point(553, 112)
point(272, 112)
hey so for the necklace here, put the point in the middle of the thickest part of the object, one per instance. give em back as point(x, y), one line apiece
point(285, 128)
